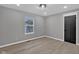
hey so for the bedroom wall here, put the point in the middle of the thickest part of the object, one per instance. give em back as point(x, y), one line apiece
point(54, 26)
point(12, 26)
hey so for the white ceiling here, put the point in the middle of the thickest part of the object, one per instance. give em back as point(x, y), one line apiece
point(49, 10)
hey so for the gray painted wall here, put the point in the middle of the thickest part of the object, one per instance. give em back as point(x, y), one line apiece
point(12, 26)
point(54, 26)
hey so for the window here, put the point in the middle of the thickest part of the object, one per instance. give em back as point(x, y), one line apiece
point(29, 25)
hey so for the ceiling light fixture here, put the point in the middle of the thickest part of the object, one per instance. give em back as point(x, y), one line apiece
point(42, 5)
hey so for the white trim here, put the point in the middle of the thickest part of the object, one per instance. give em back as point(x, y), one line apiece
point(20, 41)
point(77, 29)
point(57, 39)
point(77, 44)
point(54, 38)
point(6, 45)
point(29, 33)
point(63, 27)
point(69, 14)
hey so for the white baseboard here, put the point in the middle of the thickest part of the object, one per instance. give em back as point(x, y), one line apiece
point(77, 43)
point(29, 40)
point(58, 39)
point(2, 46)
point(54, 38)
point(20, 41)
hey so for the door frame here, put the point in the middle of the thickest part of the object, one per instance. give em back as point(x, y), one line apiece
point(68, 14)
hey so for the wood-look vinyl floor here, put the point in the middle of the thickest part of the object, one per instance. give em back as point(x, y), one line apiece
point(42, 46)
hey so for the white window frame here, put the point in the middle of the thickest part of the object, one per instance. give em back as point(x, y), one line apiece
point(28, 25)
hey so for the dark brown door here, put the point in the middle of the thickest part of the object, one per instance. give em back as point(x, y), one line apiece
point(70, 29)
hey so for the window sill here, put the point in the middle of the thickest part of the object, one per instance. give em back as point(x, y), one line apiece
point(29, 33)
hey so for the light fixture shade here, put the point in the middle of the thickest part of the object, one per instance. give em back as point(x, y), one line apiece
point(42, 5)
